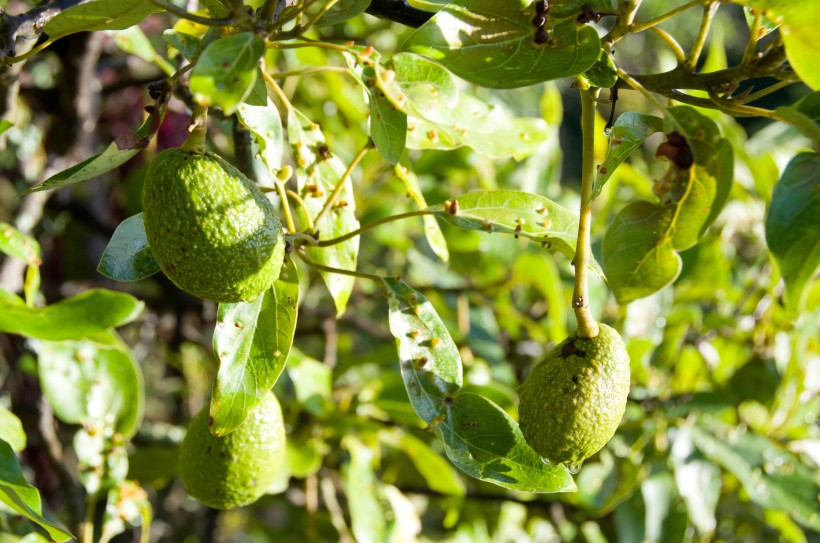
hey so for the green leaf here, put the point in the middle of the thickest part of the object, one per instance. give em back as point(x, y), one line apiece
point(603, 73)
point(628, 133)
point(798, 21)
point(388, 127)
point(342, 11)
point(265, 124)
point(5, 124)
point(437, 473)
point(23, 498)
point(83, 315)
point(123, 149)
point(792, 227)
point(430, 361)
point(490, 43)
point(484, 442)
point(698, 481)
point(472, 122)
point(416, 84)
point(127, 506)
point(323, 170)
point(640, 245)
point(312, 381)
point(19, 245)
point(100, 15)
point(367, 517)
point(432, 230)
point(252, 341)
point(189, 46)
point(639, 258)
point(127, 257)
point(226, 71)
point(134, 41)
point(94, 382)
point(772, 477)
point(11, 430)
point(517, 213)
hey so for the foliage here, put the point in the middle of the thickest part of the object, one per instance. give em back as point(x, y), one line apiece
point(395, 345)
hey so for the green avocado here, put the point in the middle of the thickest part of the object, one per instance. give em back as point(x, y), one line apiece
point(573, 400)
point(210, 228)
point(237, 469)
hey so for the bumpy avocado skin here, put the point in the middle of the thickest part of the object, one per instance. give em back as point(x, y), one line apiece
point(210, 228)
point(237, 469)
point(573, 400)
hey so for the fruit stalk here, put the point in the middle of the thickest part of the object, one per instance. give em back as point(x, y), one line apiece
point(195, 142)
point(587, 327)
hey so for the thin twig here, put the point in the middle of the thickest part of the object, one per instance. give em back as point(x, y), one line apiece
point(329, 269)
point(680, 54)
point(370, 226)
point(341, 183)
point(646, 25)
point(700, 41)
point(298, 199)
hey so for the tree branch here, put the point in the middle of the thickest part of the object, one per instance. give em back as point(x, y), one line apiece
point(399, 11)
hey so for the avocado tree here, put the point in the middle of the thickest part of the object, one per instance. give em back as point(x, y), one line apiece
point(395, 215)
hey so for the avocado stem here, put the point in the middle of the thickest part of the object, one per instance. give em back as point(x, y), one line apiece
point(195, 142)
point(587, 326)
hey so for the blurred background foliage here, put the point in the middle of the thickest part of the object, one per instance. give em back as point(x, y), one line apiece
point(720, 441)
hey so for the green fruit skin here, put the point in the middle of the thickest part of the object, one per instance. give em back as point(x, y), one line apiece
point(573, 400)
point(237, 469)
point(210, 228)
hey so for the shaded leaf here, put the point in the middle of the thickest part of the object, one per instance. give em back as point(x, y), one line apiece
point(265, 124)
point(127, 257)
point(318, 171)
point(252, 341)
point(792, 226)
point(486, 443)
point(83, 315)
point(772, 477)
point(517, 213)
point(226, 71)
point(491, 44)
point(603, 73)
point(430, 361)
point(628, 133)
point(342, 11)
point(125, 147)
point(432, 230)
point(11, 430)
point(93, 382)
point(23, 498)
point(100, 15)
point(189, 46)
point(134, 41)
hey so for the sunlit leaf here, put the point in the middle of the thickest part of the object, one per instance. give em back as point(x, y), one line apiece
point(92, 382)
point(772, 477)
point(134, 41)
point(486, 443)
point(127, 257)
point(603, 73)
point(11, 430)
point(83, 315)
point(265, 124)
point(312, 381)
point(226, 71)
point(491, 43)
point(19, 245)
point(513, 212)
point(23, 498)
point(366, 514)
point(698, 481)
point(388, 128)
point(430, 362)
point(432, 230)
point(99, 15)
point(252, 341)
point(127, 506)
point(792, 226)
point(318, 171)
point(437, 473)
